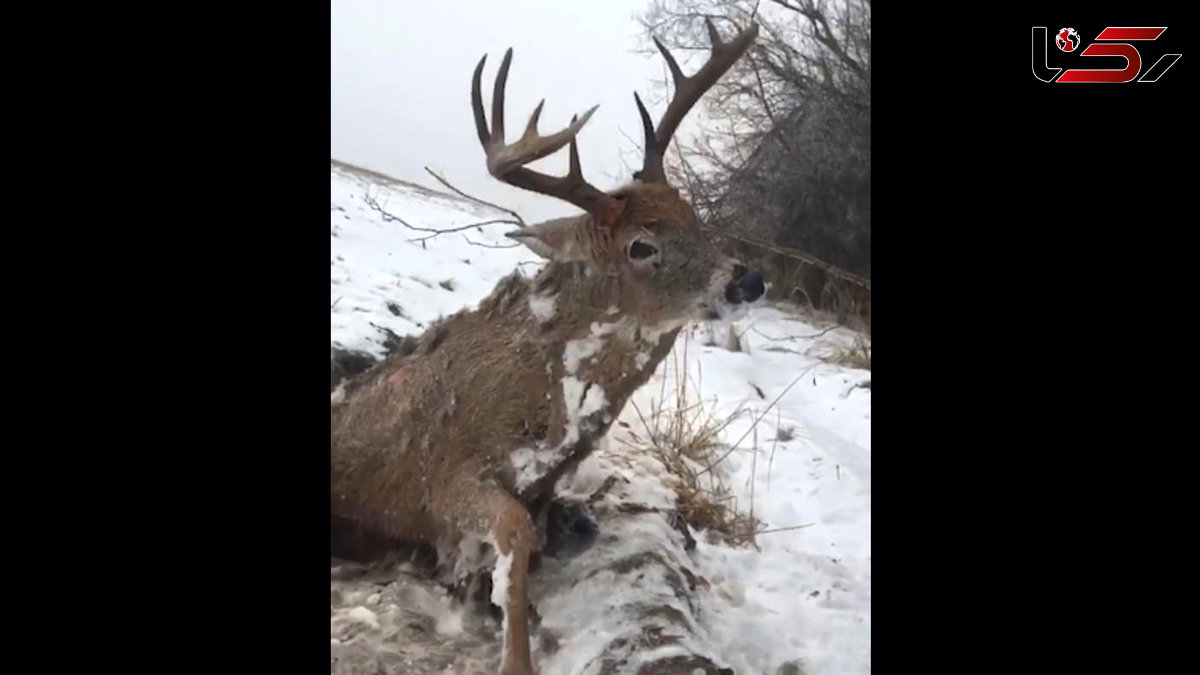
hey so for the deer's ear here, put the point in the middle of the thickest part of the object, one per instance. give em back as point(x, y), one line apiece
point(557, 239)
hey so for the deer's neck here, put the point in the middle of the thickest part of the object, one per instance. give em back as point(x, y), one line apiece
point(606, 341)
point(603, 353)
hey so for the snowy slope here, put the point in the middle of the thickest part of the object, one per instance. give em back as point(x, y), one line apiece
point(374, 264)
point(805, 597)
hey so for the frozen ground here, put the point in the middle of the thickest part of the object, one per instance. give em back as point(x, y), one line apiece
point(804, 599)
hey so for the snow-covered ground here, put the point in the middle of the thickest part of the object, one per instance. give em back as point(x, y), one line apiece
point(805, 597)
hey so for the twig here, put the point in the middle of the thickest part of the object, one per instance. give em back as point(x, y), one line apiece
point(465, 227)
point(646, 425)
point(785, 529)
point(865, 384)
point(754, 425)
point(477, 200)
point(753, 472)
point(770, 348)
point(778, 419)
point(388, 217)
point(798, 255)
point(481, 244)
point(795, 337)
point(335, 302)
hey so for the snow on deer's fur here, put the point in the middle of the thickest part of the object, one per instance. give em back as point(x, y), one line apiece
point(460, 440)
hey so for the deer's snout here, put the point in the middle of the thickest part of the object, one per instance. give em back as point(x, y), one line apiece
point(746, 286)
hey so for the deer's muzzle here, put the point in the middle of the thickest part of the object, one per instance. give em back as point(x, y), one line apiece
point(745, 286)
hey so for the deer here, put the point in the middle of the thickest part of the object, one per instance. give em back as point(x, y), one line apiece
point(457, 442)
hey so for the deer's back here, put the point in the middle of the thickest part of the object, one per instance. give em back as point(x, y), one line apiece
point(509, 395)
point(474, 389)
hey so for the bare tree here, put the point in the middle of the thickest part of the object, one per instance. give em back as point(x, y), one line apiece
point(784, 149)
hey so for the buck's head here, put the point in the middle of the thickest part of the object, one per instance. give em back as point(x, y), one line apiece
point(645, 235)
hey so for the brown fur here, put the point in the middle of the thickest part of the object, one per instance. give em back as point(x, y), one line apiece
point(421, 437)
point(459, 438)
point(478, 380)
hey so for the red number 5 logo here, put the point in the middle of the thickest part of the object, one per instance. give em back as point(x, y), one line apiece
point(1133, 60)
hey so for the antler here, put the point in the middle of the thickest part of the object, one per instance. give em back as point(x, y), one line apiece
point(688, 90)
point(506, 162)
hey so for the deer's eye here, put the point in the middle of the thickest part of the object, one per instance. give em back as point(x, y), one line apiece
point(640, 250)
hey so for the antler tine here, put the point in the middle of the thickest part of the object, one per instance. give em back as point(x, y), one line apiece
point(481, 126)
point(688, 91)
point(573, 154)
point(507, 162)
point(651, 144)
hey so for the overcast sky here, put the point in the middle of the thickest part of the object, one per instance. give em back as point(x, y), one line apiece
point(400, 87)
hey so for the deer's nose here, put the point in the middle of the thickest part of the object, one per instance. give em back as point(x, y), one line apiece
point(746, 286)
point(752, 286)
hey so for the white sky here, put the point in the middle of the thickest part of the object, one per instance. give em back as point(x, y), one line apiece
point(400, 87)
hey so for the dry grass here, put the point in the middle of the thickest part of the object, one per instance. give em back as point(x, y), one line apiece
point(856, 355)
point(681, 430)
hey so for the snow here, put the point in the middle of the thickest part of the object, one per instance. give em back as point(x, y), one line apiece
point(805, 597)
point(364, 615)
point(542, 306)
point(581, 399)
point(815, 580)
point(374, 263)
point(500, 580)
point(577, 350)
point(588, 616)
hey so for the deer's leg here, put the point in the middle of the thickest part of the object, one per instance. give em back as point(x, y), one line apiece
point(512, 529)
point(500, 517)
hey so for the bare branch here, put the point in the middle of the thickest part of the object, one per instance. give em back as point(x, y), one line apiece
point(435, 232)
point(785, 529)
point(477, 200)
point(374, 204)
point(483, 245)
point(461, 228)
point(387, 217)
point(782, 156)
